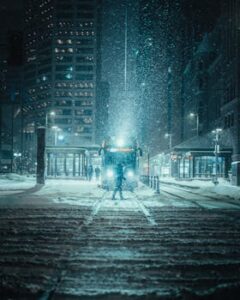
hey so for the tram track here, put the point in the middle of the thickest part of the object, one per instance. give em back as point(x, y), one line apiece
point(182, 198)
point(215, 199)
point(144, 210)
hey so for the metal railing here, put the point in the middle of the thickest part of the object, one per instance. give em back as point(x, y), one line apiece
point(151, 181)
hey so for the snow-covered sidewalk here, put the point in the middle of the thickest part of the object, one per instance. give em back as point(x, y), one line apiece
point(224, 188)
point(22, 190)
point(16, 189)
point(14, 183)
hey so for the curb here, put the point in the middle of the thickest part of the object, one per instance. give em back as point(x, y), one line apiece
point(180, 185)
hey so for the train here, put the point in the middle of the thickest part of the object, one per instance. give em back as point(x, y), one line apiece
point(117, 151)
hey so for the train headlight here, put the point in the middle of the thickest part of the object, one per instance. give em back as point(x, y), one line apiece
point(120, 142)
point(109, 173)
point(130, 174)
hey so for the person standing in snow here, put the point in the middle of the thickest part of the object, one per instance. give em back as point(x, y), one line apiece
point(97, 173)
point(90, 172)
point(118, 181)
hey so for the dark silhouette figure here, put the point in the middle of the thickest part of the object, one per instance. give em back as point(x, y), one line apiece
point(97, 172)
point(90, 172)
point(118, 182)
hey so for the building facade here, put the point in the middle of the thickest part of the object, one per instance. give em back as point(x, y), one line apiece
point(10, 88)
point(60, 72)
point(211, 104)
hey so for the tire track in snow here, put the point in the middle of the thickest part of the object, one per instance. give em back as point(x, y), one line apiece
point(96, 207)
point(144, 210)
point(196, 204)
point(49, 294)
point(211, 198)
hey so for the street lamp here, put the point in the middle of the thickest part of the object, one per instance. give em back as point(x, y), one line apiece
point(18, 160)
point(169, 137)
point(51, 114)
point(195, 115)
point(216, 132)
point(56, 130)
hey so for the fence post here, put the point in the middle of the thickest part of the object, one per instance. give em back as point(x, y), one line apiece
point(40, 176)
point(158, 185)
point(155, 187)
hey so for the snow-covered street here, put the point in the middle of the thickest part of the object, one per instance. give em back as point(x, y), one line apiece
point(69, 240)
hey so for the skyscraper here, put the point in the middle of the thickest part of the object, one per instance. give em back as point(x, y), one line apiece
point(10, 86)
point(60, 67)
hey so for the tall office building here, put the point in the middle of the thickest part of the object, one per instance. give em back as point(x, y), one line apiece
point(60, 77)
point(61, 68)
point(10, 87)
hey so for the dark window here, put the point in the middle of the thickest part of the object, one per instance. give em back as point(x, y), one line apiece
point(84, 77)
point(64, 103)
point(29, 75)
point(84, 68)
point(64, 59)
point(84, 50)
point(63, 121)
point(85, 42)
point(200, 66)
point(232, 120)
point(64, 6)
point(45, 70)
point(63, 68)
point(84, 15)
point(84, 7)
point(88, 59)
point(63, 15)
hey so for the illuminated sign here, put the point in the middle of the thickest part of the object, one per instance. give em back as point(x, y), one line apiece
point(120, 150)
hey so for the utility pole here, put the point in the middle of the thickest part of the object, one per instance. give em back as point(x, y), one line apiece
point(169, 137)
point(169, 94)
point(41, 131)
point(196, 115)
point(216, 152)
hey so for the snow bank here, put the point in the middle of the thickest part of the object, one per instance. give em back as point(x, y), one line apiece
point(224, 188)
point(15, 182)
point(13, 176)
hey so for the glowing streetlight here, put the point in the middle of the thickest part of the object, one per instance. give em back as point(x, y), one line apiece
point(195, 115)
point(61, 137)
point(169, 137)
point(51, 114)
point(56, 129)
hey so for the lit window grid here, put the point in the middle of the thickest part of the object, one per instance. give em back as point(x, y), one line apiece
point(82, 33)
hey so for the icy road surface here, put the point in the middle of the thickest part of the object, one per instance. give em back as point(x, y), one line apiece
point(73, 242)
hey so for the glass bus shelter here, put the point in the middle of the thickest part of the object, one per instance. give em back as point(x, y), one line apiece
point(67, 162)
